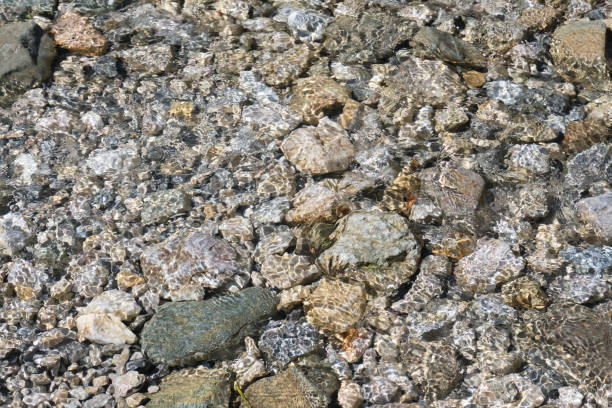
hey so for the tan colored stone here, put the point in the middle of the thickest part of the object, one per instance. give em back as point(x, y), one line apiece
point(335, 306)
point(74, 33)
point(582, 134)
point(540, 18)
point(319, 150)
point(474, 79)
point(317, 203)
point(182, 109)
point(127, 279)
point(578, 50)
point(314, 97)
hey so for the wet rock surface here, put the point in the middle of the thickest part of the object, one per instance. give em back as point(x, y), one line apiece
point(353, 203)
point(193, 331)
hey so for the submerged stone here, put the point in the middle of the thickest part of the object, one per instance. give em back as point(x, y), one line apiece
point(376, 248)
point(198, 387)
point(444, 46)
point(26, 54)
point(296, 387)
point(184, 332)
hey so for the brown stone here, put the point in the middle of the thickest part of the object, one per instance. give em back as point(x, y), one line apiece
point(474, 79)
point(319, 150)
point(540, 18)
point(314, 97)
point(74, 33)
point(580, 135)
point(335, 306)
point(578, 50)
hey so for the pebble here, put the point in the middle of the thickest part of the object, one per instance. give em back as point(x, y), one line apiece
point(115, 302)
point(335, 306)
point(187, 263)
point(294, 387)
point(74, 33)
point(578, 51)
point(323, 149)
point(104, 328)
point(596, 214)
point(492, 264)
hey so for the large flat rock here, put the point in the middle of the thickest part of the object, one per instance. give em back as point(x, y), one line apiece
point(186, 332)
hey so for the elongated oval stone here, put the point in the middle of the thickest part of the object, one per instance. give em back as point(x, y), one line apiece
point(186, 332)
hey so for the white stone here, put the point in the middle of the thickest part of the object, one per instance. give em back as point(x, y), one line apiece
point(115, 302)
point(104, 329)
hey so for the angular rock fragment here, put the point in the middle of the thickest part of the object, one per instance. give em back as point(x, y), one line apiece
point(26, 55)
point(104, 328)
point(198, 387)
point(15, 233)
point(114, 301)
point(317, 203)
point(586, 276)
point(305, 24)
point(492, 263)
point(161, 205)
point(319, 150)
point(433, 43)
point(271, 120)
point(150, 59)
point(188, 262)
point(283, 68)
point(294, 387)
point(429, 284)
point(433, 366)
point(596, 216)
point(183, 332)
point(315, 97)
point(74, 33)
point(335, 306)
point(524, 293)
point(376, 248)
point(579, 51)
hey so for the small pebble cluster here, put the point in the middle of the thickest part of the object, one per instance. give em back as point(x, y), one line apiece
point(305, 203)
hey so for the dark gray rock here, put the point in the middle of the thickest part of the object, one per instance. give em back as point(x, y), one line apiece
point(183, 332)
point(26, 54)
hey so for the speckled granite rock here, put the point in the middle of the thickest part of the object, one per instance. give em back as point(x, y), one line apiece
point(492, 264)
point(193, 331)
point(198, 387)
point(596, 214)
point(159, 206)
point(27, 53)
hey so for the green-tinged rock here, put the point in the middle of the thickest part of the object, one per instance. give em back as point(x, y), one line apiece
point(186, 332)
point(161, 205)
point(433, 43)
point(296, 387)
point(26, 54)
point(198, 387)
